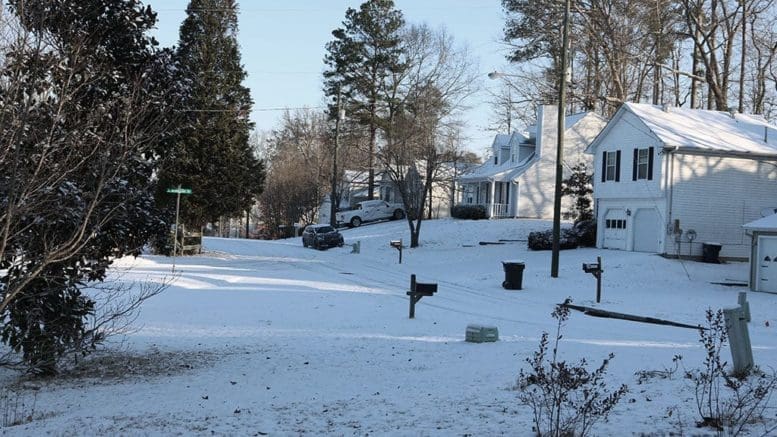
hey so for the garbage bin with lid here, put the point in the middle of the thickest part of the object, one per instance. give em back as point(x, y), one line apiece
point(513, 274)
point(710, 252)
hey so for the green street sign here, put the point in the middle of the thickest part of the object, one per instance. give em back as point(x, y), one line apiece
point(179, 190)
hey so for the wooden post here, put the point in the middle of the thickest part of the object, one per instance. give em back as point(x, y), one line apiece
point(738, 336)
point(599, 280)
point(413, 297)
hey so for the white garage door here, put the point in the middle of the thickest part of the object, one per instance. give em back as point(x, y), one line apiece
point(646, 230)
point(766, 272)
point(615, 229)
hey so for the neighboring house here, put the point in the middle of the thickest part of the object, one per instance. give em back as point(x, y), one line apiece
point(355, 189)
point(519, 178)
point(670, 179)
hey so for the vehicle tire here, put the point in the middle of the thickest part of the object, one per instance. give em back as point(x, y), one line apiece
point(356, 222)
point(398, 214)
point(316, 245)
point(304, 243)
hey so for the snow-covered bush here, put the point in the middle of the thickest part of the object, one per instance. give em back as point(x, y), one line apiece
point(468, 212)
point(727, 403)
point(566, 398)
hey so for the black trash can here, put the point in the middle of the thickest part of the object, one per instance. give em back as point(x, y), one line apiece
point(513, 274)
point(710, 253)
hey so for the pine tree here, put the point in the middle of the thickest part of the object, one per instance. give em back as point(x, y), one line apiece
point(212, 155)
point(579, 186)
point(364, 52)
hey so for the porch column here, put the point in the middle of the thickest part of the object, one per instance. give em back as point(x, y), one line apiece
point(493, 201)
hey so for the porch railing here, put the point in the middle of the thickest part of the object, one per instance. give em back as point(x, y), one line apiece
point(500, 210)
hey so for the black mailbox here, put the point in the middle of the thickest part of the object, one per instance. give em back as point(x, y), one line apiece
point(592, 267)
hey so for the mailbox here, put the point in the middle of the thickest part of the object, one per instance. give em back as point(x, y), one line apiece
point(397, 244)
point(596, 270)
point(592, 267)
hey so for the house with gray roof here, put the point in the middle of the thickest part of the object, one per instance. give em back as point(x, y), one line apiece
point(518, 179)
point(671, 180)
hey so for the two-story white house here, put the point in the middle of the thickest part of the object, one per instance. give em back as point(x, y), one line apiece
point(667, 180)
point(519, 178)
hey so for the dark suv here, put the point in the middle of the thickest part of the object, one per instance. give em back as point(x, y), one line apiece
point(322, 237)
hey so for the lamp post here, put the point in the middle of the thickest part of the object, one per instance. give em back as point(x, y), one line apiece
point(333, 195)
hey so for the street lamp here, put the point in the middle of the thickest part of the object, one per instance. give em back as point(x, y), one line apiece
point(333, 196)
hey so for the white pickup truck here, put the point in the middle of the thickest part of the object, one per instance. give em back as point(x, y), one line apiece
point(370, 210)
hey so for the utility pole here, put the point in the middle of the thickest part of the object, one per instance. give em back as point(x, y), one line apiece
point(562, 91)
point(333, 195)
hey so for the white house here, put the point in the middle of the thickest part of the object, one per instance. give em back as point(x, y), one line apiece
point(670, 179)
point(518, 179)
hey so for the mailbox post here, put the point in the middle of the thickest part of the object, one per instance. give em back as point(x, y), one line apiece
point(596, 270)
point(397, 244)
point(417, 291)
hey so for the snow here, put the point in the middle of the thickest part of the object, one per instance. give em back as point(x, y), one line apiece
point(767, 224)
point(269, 337)
point(705, 130)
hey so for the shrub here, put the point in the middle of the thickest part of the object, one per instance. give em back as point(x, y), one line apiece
point(725, 402)
point(469, 212)
point(585, 231)
point(566, 399)
point(543, 240)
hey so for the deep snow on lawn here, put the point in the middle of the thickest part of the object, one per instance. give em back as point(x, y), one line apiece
point(269, 337)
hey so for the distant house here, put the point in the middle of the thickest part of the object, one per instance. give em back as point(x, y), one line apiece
point(670, 179)
point(438, 203)
point(518, 179)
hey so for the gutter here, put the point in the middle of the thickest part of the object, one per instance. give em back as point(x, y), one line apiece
point(718, 153)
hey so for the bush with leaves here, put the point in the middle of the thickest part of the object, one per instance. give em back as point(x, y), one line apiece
point(468, 212)
point(565, 398)
point(727, 402)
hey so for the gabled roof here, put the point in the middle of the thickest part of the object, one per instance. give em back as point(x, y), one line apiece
point(768, 223)
point(703, 131)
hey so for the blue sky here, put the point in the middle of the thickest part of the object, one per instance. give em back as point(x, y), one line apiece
point(282, 45)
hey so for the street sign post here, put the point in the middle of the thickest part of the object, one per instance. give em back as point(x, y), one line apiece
point(177, 191)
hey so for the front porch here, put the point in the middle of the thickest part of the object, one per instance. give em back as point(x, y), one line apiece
point(500, 199)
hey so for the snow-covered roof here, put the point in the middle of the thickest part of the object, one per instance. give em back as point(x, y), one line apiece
point(708, 131)
point(768, 223)
point(505, 170)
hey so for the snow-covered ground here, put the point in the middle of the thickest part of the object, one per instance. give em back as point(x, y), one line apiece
point(260, 337)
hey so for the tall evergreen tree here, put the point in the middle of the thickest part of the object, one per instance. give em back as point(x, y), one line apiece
point(363, 54)
point(212, 156)
point(83, 107)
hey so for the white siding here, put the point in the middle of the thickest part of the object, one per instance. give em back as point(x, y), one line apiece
point(715, 196)
point(627, 133)
point(537, 184)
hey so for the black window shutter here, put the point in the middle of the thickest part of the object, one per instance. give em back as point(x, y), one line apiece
point(650, 164)
point(618, 166)
point(634, 168)
point(604, 166)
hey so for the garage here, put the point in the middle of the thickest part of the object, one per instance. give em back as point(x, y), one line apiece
point(615, 229)
point(647, 224)
point(763, 255)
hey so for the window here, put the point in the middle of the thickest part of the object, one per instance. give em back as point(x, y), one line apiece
point(615, 223)
point(643, 164)
point(611, 164)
